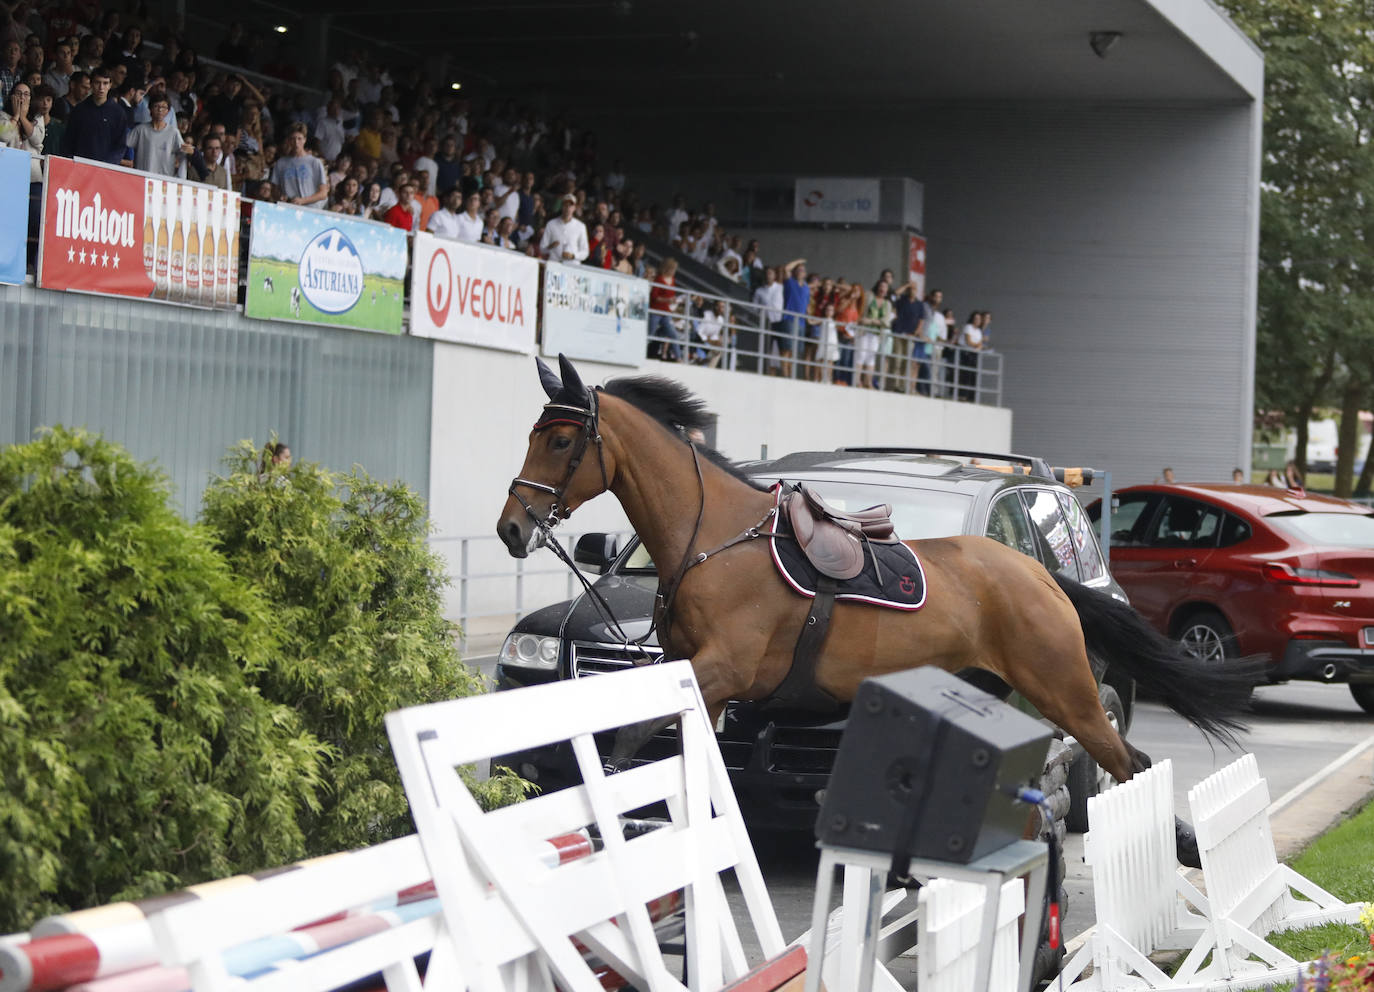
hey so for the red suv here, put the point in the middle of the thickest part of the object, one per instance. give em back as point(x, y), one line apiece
point(1250, 570)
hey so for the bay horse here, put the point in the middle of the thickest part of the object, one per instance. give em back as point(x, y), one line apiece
point(723, 605)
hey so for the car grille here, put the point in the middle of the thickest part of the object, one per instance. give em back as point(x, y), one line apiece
point(590, 658)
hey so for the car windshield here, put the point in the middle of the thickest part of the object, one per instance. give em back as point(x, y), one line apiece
point(917, 514)
point(1342, 530)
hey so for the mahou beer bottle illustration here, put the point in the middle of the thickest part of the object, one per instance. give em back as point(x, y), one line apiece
point(176, 272)
point(208, 272)
point(149, 229)
point(192, 264)
point(160, 254)
point(226, 288)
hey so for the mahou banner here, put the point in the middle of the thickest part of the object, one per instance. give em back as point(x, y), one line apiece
point(124, 233)
point(474, 294)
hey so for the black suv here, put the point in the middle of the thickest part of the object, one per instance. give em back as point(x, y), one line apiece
point(779, 761)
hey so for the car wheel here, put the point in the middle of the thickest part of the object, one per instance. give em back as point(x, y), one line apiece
point(1086, 777)
point(1364, 695)
point(1208, 637)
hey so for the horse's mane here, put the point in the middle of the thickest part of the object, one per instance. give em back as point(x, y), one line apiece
point(675, 407)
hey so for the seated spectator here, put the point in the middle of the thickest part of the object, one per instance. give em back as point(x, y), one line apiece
point(470, 220)
point(129, 51)
point(371, 206)
point(79, 90)
point(444, 221)
point(329, 131)
point(90, 53)
point(157, 146)
point(300, 175)
point(208, 162)
point(343, 164)
point(597, 252)
point(449, 165)
point(20, 129)
point(490, 219)
point(11, 69)
point(345, 197)
point(402, 215)
point(426, 167)
point(505, 234)
point(711, 331)
point(565, 237)
point(97, 126)
point(59, 74)
point(620, 261)
point(53, 128)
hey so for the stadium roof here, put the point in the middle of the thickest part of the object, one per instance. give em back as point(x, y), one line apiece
point(766, 54)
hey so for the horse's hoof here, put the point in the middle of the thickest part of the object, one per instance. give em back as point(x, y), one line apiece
point(1185, 844)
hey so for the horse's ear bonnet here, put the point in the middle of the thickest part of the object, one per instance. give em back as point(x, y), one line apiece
point(547, 379)
point(569, 394)
point(574, 391)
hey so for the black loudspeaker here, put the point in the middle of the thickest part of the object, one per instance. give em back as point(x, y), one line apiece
point(928, 767)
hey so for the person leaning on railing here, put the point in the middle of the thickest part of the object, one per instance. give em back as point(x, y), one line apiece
point(662, 295)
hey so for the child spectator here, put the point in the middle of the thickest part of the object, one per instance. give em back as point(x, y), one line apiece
point(158, 146)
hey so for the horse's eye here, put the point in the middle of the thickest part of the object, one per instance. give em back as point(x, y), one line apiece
point(561, 442)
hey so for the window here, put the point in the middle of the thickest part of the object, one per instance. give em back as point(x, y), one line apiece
point(1052, 532)
point(1084, 542)
point(1007, 525)
point(1233, 531)
point(1346, 530)
point(1185, 523)
point(1129, 518)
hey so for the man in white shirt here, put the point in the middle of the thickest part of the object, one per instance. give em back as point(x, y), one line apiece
point(677, 217)
point(427, 169)
point(444, 221)
point(768, 298)
point(565, 237)
point(470, 220)
point(329, 129)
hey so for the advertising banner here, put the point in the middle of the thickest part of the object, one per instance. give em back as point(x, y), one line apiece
point(14, 213)
point(474, 294)
point(595, 314)
point(124, 233)
point(836, 201)
point(324, 268)
point(916, 263)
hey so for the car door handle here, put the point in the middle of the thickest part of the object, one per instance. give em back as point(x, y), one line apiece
point(1185, 563)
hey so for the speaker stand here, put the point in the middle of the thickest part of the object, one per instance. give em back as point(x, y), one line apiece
point(1022, 858)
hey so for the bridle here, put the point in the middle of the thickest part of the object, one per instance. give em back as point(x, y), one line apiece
point(587, 420)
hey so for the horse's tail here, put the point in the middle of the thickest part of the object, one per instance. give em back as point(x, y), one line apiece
point(1211, 697)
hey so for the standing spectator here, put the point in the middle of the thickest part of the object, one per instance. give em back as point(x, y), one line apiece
point(948, 352)
point(565, 237)
point(234, 48)
point(849, 301)
point(77, 92)
point(10, 68)
point(711, 330)
point(677, 217)
point(505, 234)
point(249, 147)
point(796, 297)
point(157, 146)
point(876, 320)
point(450, 165)
point(53, 128)
point(97, 126)
point(300, 175)
point(662, 297)
point(935, 333)
point(371, 207)
point(402, 215)
point(768, 298)
point(329, 130)
point(59, 74)
point(971, 342)
point(209, 162)
point(470, 220)
point(19, 129)
point(344, 199)
point(444, 221)
point(828, 351)
point(910, 315)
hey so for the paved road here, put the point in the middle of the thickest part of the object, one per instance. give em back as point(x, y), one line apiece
point(1295, 731)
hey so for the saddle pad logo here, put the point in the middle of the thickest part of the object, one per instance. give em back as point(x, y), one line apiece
point(907, 584)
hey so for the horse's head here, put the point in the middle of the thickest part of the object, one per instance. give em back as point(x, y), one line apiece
point(565, 465)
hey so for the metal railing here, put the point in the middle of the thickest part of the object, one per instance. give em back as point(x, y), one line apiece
point(491, 585)
point(747, 341)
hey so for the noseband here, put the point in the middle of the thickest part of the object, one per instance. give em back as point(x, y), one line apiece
point(587, 420)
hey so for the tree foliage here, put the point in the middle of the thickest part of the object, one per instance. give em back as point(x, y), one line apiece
point(356, 600)
point(135, 754)
point(1316, 283)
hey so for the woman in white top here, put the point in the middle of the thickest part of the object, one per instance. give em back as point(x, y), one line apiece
point(970, 343)
point(711, 330)
point(19, 130)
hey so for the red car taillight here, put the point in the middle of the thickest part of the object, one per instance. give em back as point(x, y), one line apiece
point(1277, 571)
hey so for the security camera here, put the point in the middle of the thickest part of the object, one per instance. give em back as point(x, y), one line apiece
point(1102, 42)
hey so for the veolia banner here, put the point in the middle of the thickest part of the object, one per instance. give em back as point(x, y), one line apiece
point(124, 233)
point(594, 314)
point(324, 268)
point(474, 294)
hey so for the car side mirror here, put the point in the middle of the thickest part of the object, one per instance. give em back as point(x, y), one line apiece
point(596, 552)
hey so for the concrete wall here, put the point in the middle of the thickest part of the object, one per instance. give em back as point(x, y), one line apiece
point(1115, 244)
point(485, 402)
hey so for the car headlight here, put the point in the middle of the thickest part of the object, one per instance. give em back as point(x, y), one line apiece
point(530, 651)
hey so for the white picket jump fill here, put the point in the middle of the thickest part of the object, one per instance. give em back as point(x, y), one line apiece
point(1143, 904)
point(950, 930)
point(844, 935)
point(501, 908)
point(1247, 885)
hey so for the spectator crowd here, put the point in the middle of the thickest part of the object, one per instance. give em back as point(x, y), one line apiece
point(77, 80)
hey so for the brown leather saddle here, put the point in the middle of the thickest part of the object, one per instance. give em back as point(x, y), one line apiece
point(833, 539)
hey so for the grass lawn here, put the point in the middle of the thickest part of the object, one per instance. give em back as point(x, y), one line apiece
point(1342, 862)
